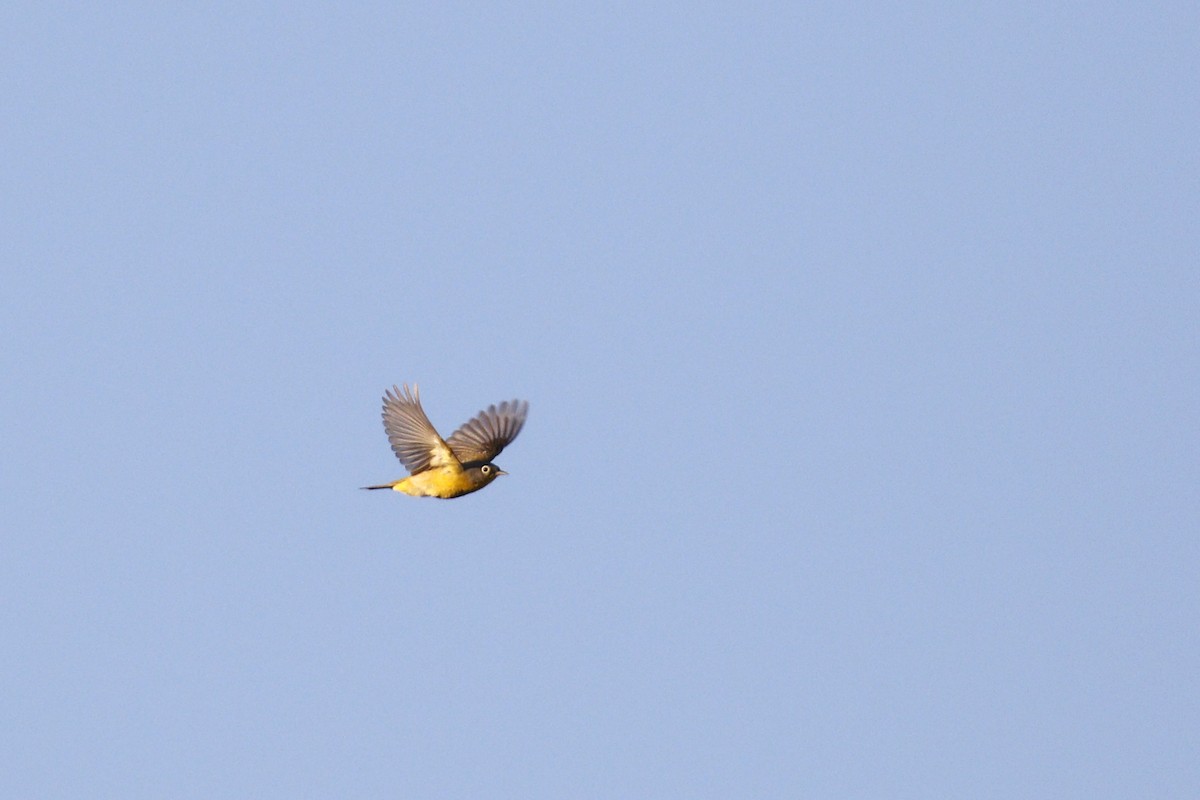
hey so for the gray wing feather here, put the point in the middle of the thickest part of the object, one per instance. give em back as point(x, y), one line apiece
point(489, 432)
point(414, 439)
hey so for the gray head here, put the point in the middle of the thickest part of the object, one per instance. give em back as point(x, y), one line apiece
point(481, 475)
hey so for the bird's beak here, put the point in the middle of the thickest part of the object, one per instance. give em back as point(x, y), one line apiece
point(500, 472)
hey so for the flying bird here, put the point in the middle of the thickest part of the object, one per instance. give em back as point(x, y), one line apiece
point(449, 467)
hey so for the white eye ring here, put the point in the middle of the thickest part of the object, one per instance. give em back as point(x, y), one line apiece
point(485, 469)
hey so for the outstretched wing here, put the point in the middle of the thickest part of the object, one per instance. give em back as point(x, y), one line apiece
point(489, 432)
point(414, 440)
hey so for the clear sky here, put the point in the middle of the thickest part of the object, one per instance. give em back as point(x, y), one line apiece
point(861, 343)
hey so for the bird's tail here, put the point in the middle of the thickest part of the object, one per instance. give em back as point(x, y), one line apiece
point(380, 486)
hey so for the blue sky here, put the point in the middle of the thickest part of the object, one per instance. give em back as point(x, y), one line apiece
point(861, 347)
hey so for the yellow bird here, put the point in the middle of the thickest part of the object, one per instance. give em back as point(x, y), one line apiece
point(447, 467)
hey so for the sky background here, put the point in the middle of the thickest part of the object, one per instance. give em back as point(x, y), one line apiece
point(861, 343)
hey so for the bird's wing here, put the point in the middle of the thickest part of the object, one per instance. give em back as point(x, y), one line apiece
point(414, 439)
point(489, 432)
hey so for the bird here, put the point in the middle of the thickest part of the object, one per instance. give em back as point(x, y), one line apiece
point(451, 467)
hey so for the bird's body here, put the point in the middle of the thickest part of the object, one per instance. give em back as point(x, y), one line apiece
point(451, 467)
point(443, 482)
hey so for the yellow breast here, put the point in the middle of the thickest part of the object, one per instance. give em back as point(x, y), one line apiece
point(444, 482)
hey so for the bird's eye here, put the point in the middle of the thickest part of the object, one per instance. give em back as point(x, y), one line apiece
point(485, 469)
